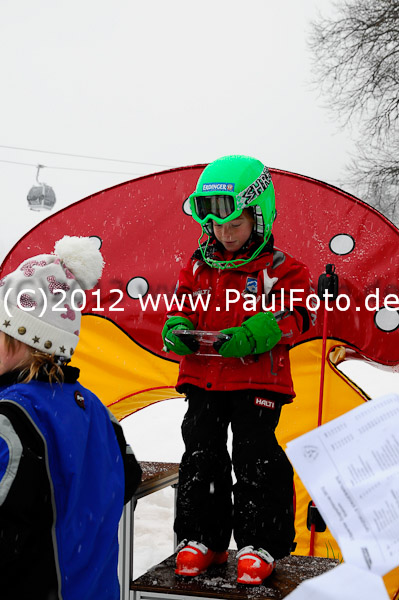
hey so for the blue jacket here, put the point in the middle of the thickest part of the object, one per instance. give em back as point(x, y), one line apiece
point(62, 489)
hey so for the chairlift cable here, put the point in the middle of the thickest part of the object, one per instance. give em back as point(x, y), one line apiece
point(132, 162)
point(13, 162)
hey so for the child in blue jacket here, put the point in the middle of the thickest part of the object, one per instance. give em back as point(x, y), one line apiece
point(65, 467)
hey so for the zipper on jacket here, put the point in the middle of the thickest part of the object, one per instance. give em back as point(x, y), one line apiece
point(272, 363)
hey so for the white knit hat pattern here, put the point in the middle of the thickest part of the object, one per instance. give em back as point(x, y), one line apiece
point(40, 301)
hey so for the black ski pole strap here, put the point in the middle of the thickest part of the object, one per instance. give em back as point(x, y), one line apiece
point(315, 518)
point(328, 282)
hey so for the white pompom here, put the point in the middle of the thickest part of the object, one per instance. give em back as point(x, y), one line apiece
point(81, 256)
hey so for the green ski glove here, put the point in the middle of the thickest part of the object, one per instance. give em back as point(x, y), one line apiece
point(256, 335)
point(172, 342)
point(237, 346)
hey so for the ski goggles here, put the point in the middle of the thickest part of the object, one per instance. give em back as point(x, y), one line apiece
point(220, 208)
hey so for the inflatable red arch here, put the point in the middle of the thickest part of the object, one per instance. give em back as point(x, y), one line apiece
point(146, 235)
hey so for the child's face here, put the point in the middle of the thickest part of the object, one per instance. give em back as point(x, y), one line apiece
point(10, 360)
point(235, 233)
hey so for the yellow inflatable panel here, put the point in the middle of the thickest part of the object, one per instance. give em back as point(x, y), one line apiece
point(302, 416)
point(124, 375)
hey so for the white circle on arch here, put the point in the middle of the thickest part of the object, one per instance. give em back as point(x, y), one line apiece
point(342, 244)
point(97, 241)
point(136, 287)
point(187, 207)
point(387, 320)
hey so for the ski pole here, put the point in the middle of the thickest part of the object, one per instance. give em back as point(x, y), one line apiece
point(327, 288)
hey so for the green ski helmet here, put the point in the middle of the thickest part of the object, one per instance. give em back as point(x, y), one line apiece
point(225, 188)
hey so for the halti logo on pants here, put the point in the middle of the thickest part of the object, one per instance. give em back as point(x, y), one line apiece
point(263, 402)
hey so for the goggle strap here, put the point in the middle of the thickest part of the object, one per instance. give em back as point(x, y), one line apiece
point(259, 223)
point(260, 185)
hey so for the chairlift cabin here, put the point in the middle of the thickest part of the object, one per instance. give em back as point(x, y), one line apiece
point(41, 196)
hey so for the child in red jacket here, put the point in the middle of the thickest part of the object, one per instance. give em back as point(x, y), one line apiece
point(245, 287)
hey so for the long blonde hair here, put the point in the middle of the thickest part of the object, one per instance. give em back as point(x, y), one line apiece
point(35, 362)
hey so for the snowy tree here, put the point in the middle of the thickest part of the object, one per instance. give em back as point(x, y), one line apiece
point(356, 65)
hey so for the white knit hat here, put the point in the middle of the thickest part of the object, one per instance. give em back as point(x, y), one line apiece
point(40, 301)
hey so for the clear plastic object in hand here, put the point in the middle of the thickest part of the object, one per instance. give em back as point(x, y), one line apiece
point(202, 342)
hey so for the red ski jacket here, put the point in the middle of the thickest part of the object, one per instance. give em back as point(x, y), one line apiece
point(217, 299)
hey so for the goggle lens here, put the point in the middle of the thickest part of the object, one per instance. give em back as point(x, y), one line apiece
point(219, 206)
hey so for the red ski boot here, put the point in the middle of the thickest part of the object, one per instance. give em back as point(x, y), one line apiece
point(254, 565)
point(194, 558)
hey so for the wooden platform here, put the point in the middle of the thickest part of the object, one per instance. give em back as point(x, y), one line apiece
point(220, 581)
point(156, 476)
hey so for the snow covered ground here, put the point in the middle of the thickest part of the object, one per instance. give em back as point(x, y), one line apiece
point(154, 434)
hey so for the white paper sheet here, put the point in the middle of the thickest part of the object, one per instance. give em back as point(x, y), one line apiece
point(350, 467)
point(345, 582)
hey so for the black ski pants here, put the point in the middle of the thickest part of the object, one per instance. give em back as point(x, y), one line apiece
point(263, 513)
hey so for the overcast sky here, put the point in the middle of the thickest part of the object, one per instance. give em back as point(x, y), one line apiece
point(170, 83)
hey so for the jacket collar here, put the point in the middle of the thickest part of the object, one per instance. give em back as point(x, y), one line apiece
point(71, 375)
point(216, 251)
